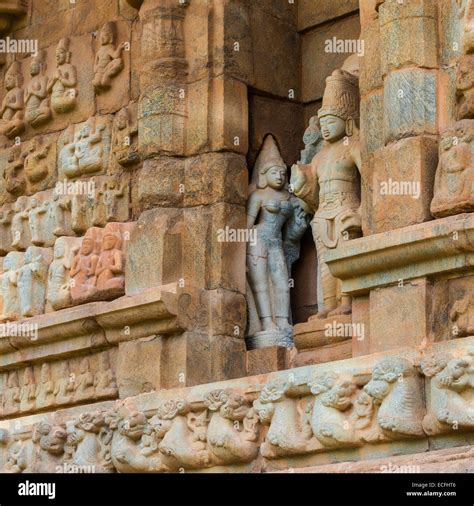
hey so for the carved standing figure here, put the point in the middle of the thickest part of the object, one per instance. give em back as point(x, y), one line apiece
point(104, 381)
point(83, 285)
point(110, 270)
point(28, 391)
point(268, 208)
point(11, 397)
point(124, 144)
point(62, 85)
point(108, 59)
point(32, 277)
point(12, 111)
point(84, 383)
point(330, 185)
point(11, 301)
point(45, 388)
point(20, 230)
point(59, 289)
point(64, 385)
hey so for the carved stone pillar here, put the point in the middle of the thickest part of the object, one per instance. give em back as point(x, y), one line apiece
point(162, 108)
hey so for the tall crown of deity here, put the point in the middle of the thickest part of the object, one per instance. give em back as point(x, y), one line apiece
point(341, 96)
point(268, 157)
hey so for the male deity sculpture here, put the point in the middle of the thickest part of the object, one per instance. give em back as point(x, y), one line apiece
point(20, 231)
point(45, 388)
point(83, 277)
point(37, 107)
point(124, 144)
point(14, 176)
point(110, 269)
point(9, 280)
point(32, 282)
point(36, 163)
point(62, 85)
point(64, 385)
point(108, 59)
point(270, 207)
point(88, 150)
point(11, 113)
point(454, 181)
point(59, 290)
point(330, 185)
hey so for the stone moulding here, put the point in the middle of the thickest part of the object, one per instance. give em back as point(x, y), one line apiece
point(394, 403)
point(433, 248)
point(94, 325)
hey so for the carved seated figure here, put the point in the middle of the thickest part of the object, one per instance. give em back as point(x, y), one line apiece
point(465, 87)
point(37, 108)
point(15, 182)
point(88, 151)
point(108, 59)
point(110, 270)
point(36, 163)
point(11, 112)
point(83, 277)
point(67, 160)
point(62, 84)
point(454, 181)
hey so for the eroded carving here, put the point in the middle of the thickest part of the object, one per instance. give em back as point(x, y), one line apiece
point(62, 85)
point(12, 112)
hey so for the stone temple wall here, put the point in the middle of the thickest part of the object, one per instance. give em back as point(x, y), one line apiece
point(174, 298)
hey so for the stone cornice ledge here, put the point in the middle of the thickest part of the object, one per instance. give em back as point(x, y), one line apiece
point(95, 325)
point(433, 248)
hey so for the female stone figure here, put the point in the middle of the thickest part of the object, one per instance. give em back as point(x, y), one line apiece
point(268, 209)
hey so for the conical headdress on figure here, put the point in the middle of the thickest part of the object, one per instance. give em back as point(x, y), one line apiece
point(341, 96)
point(268, 157)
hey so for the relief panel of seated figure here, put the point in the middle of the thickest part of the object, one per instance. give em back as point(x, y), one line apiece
point(62, 85)
point(110, 269)
point(37, 107)
point(12, 111)
point(14, 175)
point(108, 59)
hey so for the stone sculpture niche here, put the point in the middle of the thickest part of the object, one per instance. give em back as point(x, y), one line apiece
point(98, 269)
point(454, 181)
point(37, 105)
point(62, 85)
point(85, 151)
point(270, 207)
point(108, 59)
point(124, 143)
point(12, 111)
point(14, 175)
point(330, 185)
